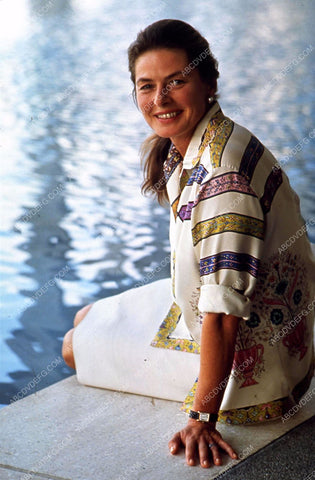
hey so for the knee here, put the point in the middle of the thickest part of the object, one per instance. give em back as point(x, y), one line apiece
point(67, 349)
point(81, 314)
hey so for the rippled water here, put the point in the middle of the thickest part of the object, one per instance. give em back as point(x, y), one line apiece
point(74, 226)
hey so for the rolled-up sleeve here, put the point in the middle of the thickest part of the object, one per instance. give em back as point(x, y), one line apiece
point(228, 239)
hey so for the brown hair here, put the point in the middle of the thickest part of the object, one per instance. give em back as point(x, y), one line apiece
point(173, 34)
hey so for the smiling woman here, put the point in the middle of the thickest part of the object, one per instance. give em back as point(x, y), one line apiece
point(233, 286)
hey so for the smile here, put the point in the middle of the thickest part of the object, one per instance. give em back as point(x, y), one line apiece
point(168, 115)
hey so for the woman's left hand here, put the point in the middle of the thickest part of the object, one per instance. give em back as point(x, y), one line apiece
point(203, 440)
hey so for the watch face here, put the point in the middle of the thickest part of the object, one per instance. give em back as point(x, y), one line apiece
point(204, 417)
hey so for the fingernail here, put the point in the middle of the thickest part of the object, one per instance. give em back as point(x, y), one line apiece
point(172, 449)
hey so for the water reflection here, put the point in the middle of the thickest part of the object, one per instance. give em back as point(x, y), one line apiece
point(70, 136)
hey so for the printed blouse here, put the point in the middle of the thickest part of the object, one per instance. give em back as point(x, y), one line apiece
point(239, 246)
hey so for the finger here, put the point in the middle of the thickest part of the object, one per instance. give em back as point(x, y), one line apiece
point(190, 451)
point(226, 447)
point(204, 453)
point(214, 452)
point(175, 444)
point(81, 314)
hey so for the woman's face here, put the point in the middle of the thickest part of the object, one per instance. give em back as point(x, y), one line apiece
point(171, 103)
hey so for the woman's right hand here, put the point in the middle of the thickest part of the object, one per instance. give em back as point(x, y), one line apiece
point(200, 440)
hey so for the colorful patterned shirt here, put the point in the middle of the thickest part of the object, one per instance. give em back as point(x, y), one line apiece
point(239, 246)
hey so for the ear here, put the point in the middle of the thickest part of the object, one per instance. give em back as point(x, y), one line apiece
point(211, 92)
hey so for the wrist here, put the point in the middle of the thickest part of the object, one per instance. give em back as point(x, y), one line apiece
point(201, 425)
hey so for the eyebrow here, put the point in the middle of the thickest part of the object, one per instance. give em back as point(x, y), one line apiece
point(143, 79)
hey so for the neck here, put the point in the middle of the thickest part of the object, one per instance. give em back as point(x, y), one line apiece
point(181, 146)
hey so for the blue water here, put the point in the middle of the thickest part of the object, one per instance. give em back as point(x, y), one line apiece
point(74, 226)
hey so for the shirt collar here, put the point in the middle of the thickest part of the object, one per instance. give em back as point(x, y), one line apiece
point(191, 156)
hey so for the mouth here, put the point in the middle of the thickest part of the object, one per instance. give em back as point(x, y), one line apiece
point(168, 115)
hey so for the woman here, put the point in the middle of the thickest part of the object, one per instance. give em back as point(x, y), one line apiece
point(246, 298)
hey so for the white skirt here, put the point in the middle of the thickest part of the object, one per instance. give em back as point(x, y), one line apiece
point(112, 346)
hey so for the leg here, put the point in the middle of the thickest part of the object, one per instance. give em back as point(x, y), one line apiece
point(81, 314)
point(67, 346)
point(67, 350)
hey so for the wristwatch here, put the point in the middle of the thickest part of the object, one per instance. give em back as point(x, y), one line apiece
point(203, 416)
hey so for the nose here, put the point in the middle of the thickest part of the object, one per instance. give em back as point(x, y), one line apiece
point(161, 96)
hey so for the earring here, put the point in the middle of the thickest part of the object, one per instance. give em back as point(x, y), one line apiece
point(210, 99)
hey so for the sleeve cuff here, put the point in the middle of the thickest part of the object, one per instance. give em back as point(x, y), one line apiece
point(222, 299)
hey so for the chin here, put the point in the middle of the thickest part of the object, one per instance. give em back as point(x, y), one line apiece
point(166, 133)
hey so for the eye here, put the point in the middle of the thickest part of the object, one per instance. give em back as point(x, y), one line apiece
point(146, 86)
point(176, 82)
